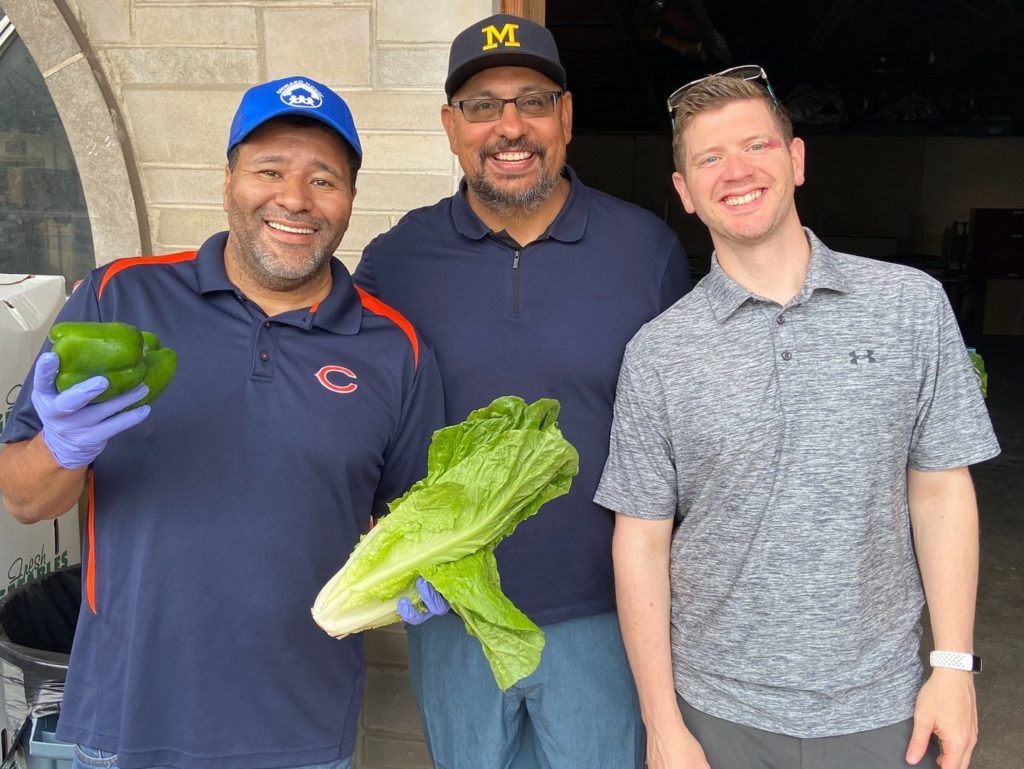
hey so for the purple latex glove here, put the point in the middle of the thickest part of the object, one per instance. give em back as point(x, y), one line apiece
point(433, 600)
point(74, 431)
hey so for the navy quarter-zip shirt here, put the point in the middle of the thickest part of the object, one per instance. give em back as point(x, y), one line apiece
point(547, 319)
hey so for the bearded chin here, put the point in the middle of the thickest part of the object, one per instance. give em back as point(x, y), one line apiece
point(513, 204)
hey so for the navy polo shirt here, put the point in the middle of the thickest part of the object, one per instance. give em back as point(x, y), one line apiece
point(550, 319)
point(216, 521)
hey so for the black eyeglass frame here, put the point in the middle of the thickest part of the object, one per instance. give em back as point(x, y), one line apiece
point(555, 96)
point(743, 72)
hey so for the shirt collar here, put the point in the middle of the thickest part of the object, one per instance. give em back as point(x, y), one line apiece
point(568, 227)
point(823, 272)
point(340, 312)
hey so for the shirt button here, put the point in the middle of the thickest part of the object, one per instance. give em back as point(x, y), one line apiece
point(266, 324)
point(780, 319)
point(266, 355)
point(787, 355)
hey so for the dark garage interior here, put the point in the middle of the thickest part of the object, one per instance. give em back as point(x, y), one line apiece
point(913, 116)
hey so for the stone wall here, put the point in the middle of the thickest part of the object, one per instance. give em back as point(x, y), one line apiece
point(173, 71)
point(146, 90)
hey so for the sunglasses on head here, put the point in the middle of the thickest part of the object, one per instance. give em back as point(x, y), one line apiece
point(744, 72)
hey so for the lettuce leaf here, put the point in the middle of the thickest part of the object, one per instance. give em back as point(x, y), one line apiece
point(484, 477)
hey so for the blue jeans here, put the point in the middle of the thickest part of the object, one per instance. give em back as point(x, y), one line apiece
point(88, 758)
point(578, 709)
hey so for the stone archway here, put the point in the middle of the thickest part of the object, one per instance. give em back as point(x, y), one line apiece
point(93, 124)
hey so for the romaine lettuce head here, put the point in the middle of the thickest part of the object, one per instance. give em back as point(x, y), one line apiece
point(484, 477)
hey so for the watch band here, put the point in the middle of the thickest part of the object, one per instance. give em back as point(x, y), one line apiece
point(956, 660)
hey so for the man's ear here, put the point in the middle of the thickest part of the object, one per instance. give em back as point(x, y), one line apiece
point(684, 193)
point(566, 116)
point(448, 121)
point(796, 155)
point(227, 185)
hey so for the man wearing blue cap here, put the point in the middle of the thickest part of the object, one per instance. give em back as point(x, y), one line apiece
point(300, 407)
point(527, 282)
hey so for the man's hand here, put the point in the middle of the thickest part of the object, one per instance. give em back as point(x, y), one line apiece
point(946, 707)
point(434, 602)
point(674, 748)
point(74, 431)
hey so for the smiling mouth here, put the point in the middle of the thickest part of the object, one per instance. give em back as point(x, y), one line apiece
point(512, 157)
point(739, 200)
point(291, 229)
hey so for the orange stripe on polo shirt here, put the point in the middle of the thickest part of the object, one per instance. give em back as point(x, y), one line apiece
point(90, 573)
point(123, 264)
point(375, 305)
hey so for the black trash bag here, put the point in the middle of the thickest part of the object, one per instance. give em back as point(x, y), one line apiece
point(37, 627)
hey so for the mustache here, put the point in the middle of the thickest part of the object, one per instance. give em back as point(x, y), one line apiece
point(292, 219)
point(515, 145)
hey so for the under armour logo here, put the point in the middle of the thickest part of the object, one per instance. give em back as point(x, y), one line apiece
point(869, 356)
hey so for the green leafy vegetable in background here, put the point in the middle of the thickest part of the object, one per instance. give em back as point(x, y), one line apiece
point(484, 477)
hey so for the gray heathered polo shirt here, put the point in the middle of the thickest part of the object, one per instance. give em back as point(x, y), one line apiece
point(779, 438)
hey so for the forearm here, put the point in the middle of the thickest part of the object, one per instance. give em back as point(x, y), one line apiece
point(640, 550)
point(33, 485)
point(944, 516)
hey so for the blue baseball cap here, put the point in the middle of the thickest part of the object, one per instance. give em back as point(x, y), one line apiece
point(293, 96)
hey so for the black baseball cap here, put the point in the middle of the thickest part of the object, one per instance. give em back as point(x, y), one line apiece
point(502, 40)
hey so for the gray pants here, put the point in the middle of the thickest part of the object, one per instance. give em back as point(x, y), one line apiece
point(732, 746)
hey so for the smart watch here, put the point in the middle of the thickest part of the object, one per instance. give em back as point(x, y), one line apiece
point(956, 660)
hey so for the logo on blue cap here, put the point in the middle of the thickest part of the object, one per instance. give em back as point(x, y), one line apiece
point(300, 93)
point(292, 96)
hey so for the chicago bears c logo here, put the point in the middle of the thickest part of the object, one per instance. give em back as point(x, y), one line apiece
point(324, 377)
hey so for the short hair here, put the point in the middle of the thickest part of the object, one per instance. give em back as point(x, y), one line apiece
point(301, 121)
point(716, 92)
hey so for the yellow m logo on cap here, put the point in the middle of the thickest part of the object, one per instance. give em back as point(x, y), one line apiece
point(506, 36)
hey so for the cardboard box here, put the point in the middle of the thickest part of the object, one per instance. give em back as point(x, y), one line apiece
point(28, 306)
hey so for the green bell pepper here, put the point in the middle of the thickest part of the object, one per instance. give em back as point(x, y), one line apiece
point(120, 352)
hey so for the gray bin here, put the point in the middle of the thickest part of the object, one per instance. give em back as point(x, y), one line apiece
point(37, 627)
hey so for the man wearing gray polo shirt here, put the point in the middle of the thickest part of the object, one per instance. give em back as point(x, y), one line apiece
point(779, 433)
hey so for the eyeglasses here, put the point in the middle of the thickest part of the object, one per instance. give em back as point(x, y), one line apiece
point(744, 72)
point(528, 105)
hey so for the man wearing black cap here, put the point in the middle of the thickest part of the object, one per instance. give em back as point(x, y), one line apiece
point(529, 283)
point(300, 406)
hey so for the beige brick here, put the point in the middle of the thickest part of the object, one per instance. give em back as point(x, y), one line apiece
point(189, 186)
point(106, 21)
point(362, 228)
point(425, 21)
point(405, 152)
point(180, 126)
point(331, 45)
point(185, 65)
point(177, 229)
point(401, 192)
point(388, 705)
point(425, 66)
point(394, 753)
point(195, 25)
point(402, 110)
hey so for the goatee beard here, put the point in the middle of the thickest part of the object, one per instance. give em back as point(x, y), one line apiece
point(514, 204)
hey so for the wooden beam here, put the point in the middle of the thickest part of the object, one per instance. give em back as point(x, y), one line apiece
point(527, 9)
